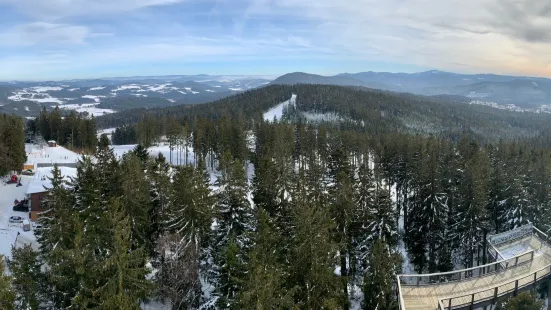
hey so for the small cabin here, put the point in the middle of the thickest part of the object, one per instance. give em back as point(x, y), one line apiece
point(36, 194)
point(52, 143)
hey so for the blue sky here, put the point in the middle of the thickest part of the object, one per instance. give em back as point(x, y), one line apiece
point(62, 39)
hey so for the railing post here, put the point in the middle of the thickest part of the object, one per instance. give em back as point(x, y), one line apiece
point(516, 288)
point(472, 302)
point(495, 295)
point(418, 280)
point(535, 277)
point(516, 260)
point(532, 256)
point(450, 304)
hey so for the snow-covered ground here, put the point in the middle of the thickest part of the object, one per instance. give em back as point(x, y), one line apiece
point(108, 131)
point(12, 234)
point(88, 107)
point(9, 231)
point(277, 111)
point(177, 157)
point(45, 154)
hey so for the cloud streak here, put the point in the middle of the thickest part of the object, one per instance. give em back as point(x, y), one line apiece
point(500, 36)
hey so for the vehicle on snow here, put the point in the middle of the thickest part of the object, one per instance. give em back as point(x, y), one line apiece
point(16, 219)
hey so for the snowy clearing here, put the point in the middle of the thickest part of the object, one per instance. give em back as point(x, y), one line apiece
point(35, 97)
point(97, 88)
point(89, 108)
point(95, 98)
point(107, 131)
point(42, 89)
point(44, 154)
point(124, 87)
point(277, 111)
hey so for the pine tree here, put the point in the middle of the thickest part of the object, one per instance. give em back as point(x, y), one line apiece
point(136, 200)
point(523, 301)
point(28, 279)
point(7, 295)
point(159, 174)
point(231, 236)
point(264, 286)
point(56, 237)
point(141, 152)
point(190, 212)
point(312, 260)
point(55, 222)
point(382, 217)
point(126, 284)
point(363, 203)
point(379, 292)
point(188, 222)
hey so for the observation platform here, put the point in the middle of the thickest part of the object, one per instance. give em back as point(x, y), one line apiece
point(522, 259)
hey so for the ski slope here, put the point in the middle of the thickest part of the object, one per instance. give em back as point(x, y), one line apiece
point(277, 111)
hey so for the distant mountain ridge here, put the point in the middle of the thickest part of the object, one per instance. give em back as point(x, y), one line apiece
point(108, 95)
point(524, 92)
point(100, 96)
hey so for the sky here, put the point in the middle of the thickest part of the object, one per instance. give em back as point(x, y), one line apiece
point(64, 39)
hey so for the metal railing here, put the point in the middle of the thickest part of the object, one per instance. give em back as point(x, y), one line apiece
point(401, 303)
point(493, 293)
point(463, 274)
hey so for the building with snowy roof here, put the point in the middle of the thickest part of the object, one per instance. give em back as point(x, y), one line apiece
point(40, 185)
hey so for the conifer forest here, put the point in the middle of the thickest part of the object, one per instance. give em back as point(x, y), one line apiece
point(293, 214)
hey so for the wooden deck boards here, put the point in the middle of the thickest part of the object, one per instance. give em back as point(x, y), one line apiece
point(426, 297)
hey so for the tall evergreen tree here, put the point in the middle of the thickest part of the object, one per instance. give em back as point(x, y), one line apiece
point(7, 295)
point(313, 253)
point(264, 286)
point(136, 199)
point(379, 292)
point(231, 240)
point(126, 284)
point(28, 279)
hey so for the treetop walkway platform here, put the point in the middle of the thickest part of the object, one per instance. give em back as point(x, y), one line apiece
point(522, 259)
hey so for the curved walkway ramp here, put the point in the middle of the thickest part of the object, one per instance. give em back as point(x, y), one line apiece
point(480, 285)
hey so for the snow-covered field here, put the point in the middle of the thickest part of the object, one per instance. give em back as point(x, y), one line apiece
point(107, 131)
point(45, 154)
point(177, 157)
point(277, 111)
point(87, 107)
point(12, 234)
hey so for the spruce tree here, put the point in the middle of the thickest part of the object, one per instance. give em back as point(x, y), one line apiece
point(264, 286)
point(160, 191)
point(379, 292)
point(382, 217)
point(312, 259)
point(364, 202)
point(523, 301)
point(141, 152)
point(125, 284)
point(7, 295)
point(136, 200)
point(190, 212)
point(28, 279)
point(56, 236)
point(55, 222)
point(231, 240)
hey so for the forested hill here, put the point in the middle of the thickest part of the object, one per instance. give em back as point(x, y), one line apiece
point(367, 109)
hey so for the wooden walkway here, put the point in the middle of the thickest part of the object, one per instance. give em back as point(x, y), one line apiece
point(476, 285)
